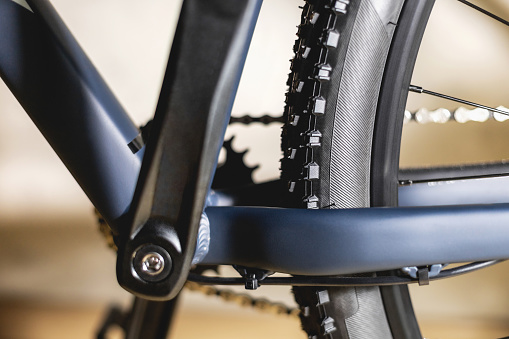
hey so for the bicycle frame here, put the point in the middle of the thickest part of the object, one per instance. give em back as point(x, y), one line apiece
point(67, 99)
point(72, 106)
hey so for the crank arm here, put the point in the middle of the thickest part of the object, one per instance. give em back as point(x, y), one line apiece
point(210, 45)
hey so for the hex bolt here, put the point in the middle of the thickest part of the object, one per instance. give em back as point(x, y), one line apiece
point(151, 263)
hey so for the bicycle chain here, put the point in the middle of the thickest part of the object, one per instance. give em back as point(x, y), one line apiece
point(461, 115)
point(248, 119)
point(422, 116)
point(244, 300)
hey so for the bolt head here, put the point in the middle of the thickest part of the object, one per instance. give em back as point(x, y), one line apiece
point(151, 263)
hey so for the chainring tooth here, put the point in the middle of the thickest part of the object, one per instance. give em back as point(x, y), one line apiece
point(234, 172)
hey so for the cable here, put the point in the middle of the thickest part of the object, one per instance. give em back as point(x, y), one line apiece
point(342, 281)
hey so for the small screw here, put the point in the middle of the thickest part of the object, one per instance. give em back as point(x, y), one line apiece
point(152, 263)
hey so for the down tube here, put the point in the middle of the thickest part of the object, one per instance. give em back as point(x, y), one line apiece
point(67, 99)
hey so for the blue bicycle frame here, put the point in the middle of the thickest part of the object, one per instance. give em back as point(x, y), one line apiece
point(70, 103)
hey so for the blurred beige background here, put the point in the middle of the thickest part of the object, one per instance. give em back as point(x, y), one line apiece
point(56, 273)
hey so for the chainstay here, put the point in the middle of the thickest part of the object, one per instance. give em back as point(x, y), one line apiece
point(421, 116)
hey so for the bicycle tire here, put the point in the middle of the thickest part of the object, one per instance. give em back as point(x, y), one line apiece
point(348, 82)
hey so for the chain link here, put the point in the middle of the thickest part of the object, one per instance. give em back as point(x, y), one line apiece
point(265, 119)
point(105, 230)
point(243, 299)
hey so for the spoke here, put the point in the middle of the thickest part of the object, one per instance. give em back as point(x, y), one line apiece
point(418, 89)
point(483, 11)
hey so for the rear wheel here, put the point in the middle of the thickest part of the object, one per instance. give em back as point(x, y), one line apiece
point(343, 116)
